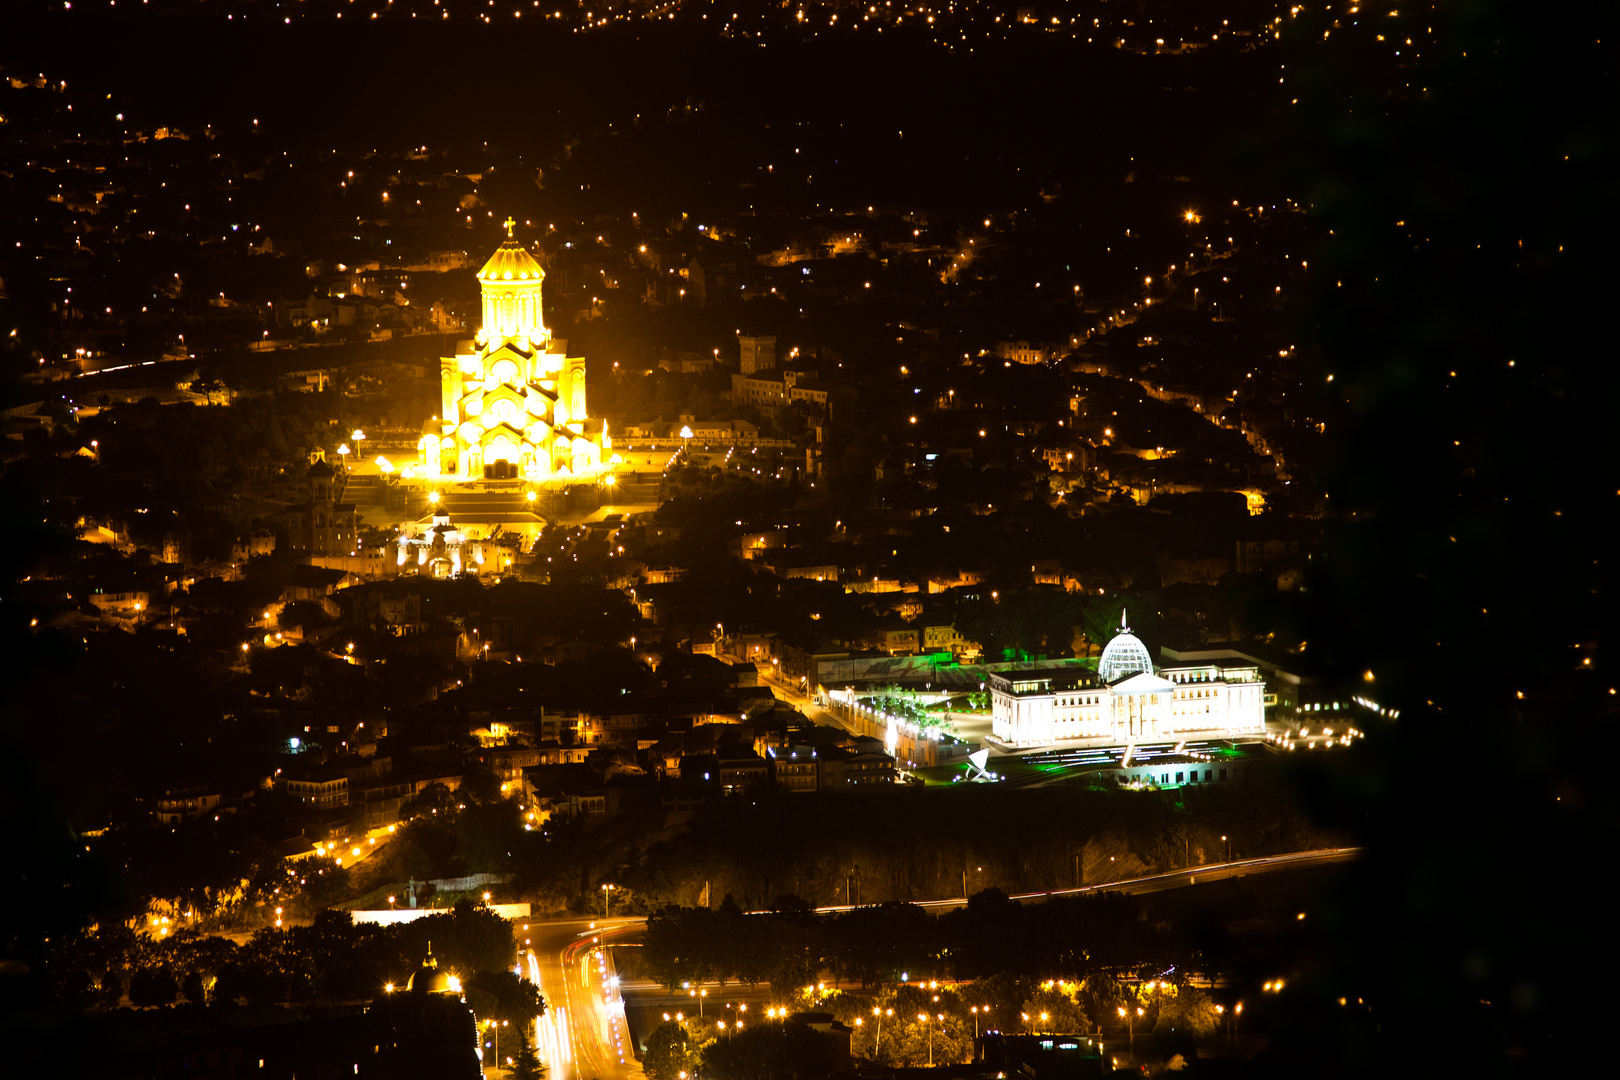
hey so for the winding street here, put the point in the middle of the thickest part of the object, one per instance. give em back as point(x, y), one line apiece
point(583, 1035)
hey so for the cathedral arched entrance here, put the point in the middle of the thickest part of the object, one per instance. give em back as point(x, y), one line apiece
point(501, 459)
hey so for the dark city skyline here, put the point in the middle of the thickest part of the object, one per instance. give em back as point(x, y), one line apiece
point(783, 541)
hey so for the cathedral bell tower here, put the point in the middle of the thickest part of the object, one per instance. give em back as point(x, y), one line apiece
point(510, 282)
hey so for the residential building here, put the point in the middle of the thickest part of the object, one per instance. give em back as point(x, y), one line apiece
point(758, 352)
point(798, 770)
point(326, 524)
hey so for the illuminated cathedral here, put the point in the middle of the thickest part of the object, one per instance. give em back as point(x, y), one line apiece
point(513, 400)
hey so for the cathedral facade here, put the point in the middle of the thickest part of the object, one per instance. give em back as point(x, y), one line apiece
point(512, 399)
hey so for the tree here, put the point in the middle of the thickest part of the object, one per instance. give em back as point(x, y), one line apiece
point(791, 904)
point(905, 704)
point(1100, 618)
point(427, 844)
point(504, 995)
point(1100, 995)
point(76, 988)
point(468, 938)
point(794, 968)
point(327, 886)
point(230, 984)
point(434, 797)
point(153, 986)
point(998, 997)
point(264, 985)
point(922, 1036)
point(767, 1052)
point(1186, 1009)
point(191, 988)
point(112, 990)
point(487, 834)
point(671, 1052)
point(794, 420)
point(481, 785)
point(1053, 1008)
point(526, 1063)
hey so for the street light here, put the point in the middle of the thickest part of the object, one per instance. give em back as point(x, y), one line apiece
point(607, 891)
point(1130, 1025)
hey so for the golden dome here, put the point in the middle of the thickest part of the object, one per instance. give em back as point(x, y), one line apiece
point(511, 263)
point(428, 979)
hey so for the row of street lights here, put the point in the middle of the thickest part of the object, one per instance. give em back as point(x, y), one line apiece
point(879, 1012)
point(1129, 1015)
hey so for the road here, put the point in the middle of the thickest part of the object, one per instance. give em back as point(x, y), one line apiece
point(1199, 875)
point(1176, 879)
point(582, 1035)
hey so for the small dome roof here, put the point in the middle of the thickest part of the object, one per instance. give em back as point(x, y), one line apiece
point(1123, 655)
point(320, 469)
point(511, 263)
point(428, 979)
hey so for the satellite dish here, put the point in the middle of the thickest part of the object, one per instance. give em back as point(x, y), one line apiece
point(976, 767)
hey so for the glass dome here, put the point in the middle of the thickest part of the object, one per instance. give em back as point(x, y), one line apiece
point(1124, 655)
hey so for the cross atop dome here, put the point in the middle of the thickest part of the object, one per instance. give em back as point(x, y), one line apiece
point(512, 264)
